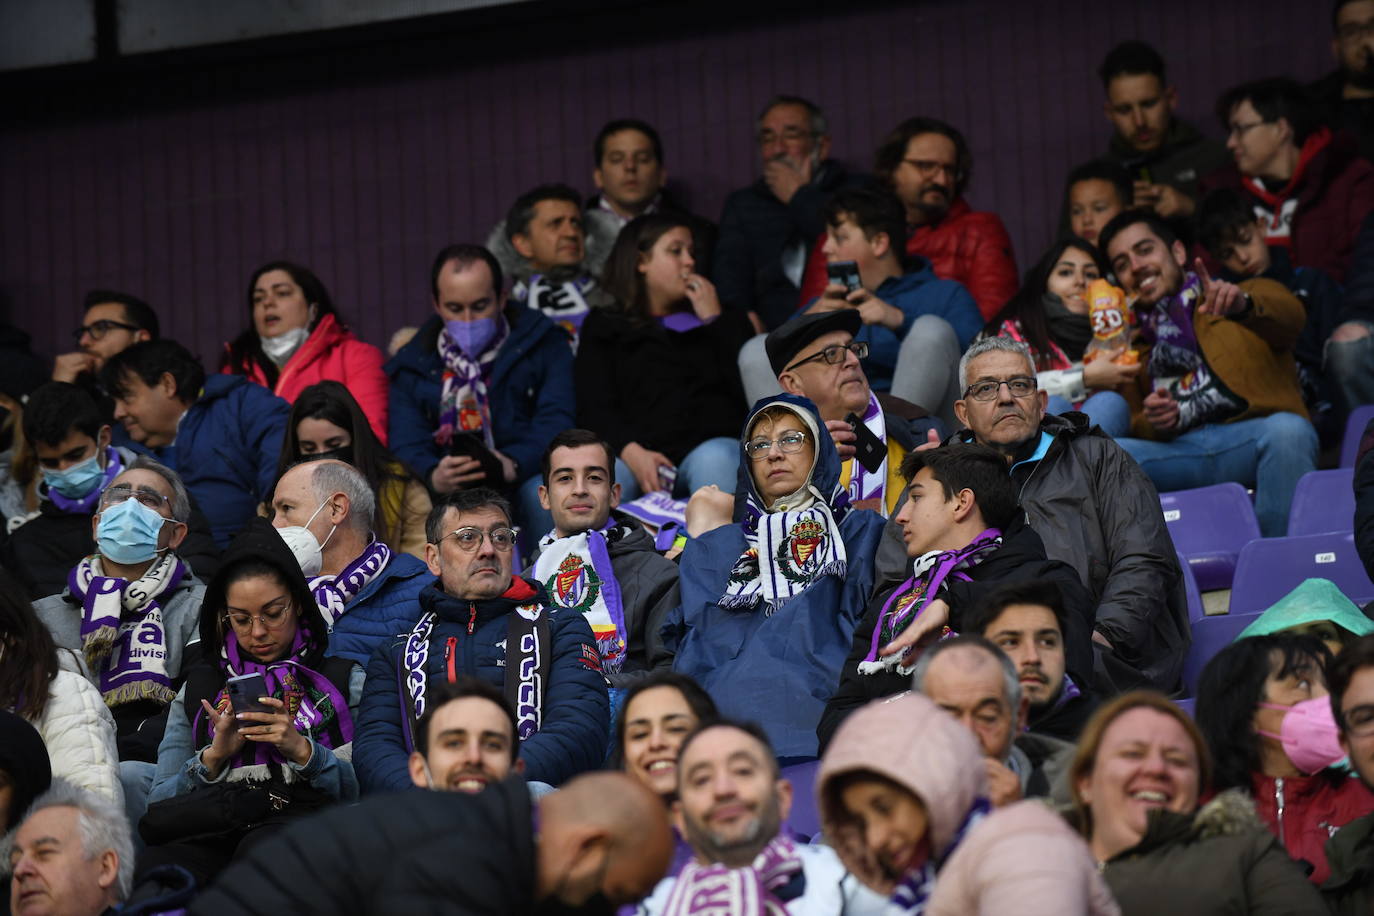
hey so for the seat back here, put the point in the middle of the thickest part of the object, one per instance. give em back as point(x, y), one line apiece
point(1354, 428)
point(1323, 501)
point(1210, 636)
point(1270, 568)
point(805, 818)
point(1209, 526)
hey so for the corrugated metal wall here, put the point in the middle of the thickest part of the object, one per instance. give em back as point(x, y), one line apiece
point(363, 181)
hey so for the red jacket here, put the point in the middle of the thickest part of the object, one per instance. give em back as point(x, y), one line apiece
point(332, 352)
point(1312, 809)
point(968, 246)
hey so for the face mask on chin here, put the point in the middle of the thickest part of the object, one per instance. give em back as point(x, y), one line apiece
point(280, 347)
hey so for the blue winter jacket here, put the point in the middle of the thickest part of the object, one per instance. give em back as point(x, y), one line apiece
point(778, 669)
point(226, 451)
point(531, 391)
point(917, 292)
point(575, 717)
point(386, 608)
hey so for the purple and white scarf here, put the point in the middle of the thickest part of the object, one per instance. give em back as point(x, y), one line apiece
point(564, 303)
point(578, 574)
point(86, 504)
point(718, 890)
point(1177, 363)
point(868, 489)
point(463, 400)
point(122, 636)
point(662, 515)
point(332, 593)
point(786, 550)
point(913, 891)
point(930, 572)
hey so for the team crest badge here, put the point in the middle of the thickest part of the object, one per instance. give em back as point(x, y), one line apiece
point(797, 554)
point(575, 585)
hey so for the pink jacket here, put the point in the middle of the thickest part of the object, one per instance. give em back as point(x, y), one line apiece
point(332, 352)
point(1020, 859)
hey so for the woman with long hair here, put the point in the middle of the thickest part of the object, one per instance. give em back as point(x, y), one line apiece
point(295, 338)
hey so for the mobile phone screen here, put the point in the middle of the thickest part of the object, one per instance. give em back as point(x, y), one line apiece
point(844, 273)
point(244, 692)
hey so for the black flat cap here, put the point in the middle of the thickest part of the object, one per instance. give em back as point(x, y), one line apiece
point(794, 336)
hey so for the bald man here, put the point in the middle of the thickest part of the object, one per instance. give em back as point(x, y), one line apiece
point(600, 841)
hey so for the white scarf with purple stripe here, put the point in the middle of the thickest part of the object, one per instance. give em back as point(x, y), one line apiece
point(578, 574)
point(332, 593)
point(718, 890)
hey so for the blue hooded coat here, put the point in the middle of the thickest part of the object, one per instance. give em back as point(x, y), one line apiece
point(778, 669)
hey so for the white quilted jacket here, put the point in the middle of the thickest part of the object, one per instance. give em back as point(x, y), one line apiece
point(79, 732)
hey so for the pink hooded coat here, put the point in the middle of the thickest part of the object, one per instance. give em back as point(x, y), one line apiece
point(1021, 859)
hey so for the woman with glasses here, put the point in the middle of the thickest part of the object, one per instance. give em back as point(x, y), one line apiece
point(1050, 315)
point(656, 374)
point(296, 339)
point(769, 604)
point(229, 777)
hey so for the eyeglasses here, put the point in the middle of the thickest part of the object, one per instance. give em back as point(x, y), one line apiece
point(929, 168)
point(834, 354)
point(1353, 31)
point(760, 448)
point(149, 497)
point(273, 617)
point(1240, 130)
point(1020, 387)
point(469, 538)
point(1359, 722)
point(98, 329)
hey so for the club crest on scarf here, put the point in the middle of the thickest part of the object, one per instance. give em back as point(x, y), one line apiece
point(576, 585)
point(901, 616)
point(799, 554)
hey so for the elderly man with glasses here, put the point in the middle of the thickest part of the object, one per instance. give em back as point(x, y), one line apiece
point(480, 620)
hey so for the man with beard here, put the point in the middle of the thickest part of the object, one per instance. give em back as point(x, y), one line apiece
point(1220, 391)
point(732, 804)
point(466, 739)
point(1347, 93)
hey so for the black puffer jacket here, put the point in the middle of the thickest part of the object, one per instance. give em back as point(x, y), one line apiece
point(462, 855)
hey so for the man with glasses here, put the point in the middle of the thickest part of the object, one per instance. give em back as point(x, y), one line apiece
point(1350, 851)
point(767, 228)
point(480, 620)
point(1347, 93)
point(113, 321)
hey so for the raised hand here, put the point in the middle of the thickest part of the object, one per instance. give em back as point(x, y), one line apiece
point(1219, 297)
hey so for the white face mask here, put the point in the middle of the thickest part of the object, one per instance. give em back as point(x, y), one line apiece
point(307, 548)
point(280, 348)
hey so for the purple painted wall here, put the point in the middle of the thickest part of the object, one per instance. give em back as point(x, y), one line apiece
point(365, 177)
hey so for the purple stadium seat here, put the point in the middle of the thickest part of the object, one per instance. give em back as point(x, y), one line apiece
point(1270, 568)
point(1210, 636)
point(805, 819)
point(1354, 429)
point(1196, 611)
point(1323, 501)
point(1186, 704)
point(1209, 526)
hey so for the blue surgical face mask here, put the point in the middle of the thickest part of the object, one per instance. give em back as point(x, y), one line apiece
point(77, 481)
point(472, 337)
point(128, 532)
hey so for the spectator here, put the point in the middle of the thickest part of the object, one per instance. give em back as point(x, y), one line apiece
point(326, 422)
point(467, 736)
point(1350, 889)
point(222, 434)
point(766, 228)
point(1351, 346)
point(258, 618)
point(113, 322)
point(501, 627)
point(733, 802)
point(1316, 608)
point(601, 841)
point(1307, 185)
point(553, 251)
point(1163, 155)
point(1141, 769)
point(599, 563)
point(481, 378)
point(904, 801)
point(1234, 238)
point(972, 680)
point(1346, 95)
point(1049, 314)
point(964, 534)
point(44, 685)
point(1220, 386)
point(1095, 192)
point(297, 339)
point(656, 374)
point(131, 608)
point(769, 604)
point(1027, 620)
point(928, 164)
point(73, 854)
point(815, 356)
point(366, 593)
point(1263, 707)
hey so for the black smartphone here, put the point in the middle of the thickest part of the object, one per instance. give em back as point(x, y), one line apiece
point(244, 693)
point(471, 445)
point(868, 448)
point(844, 273)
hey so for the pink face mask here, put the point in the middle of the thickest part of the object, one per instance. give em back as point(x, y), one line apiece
point(1308, 734)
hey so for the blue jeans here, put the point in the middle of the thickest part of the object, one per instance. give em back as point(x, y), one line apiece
point(1106, 409)
point(1269, 454)
point(713, 461)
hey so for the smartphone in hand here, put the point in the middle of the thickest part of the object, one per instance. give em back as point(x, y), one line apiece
point(245, 691)
point(868, 448)
point(844, 273)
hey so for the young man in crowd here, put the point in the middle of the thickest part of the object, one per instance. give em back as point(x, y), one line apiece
point(600, 563)
point(466, 740)
point(1350, 851)
point(972, 680)
point(484, 621)
point(1346, 95)
point(324, 511)
point(1220, 386)
point(112, 321)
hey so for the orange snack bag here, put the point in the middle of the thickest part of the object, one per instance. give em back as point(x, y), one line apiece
point(1111, 319)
